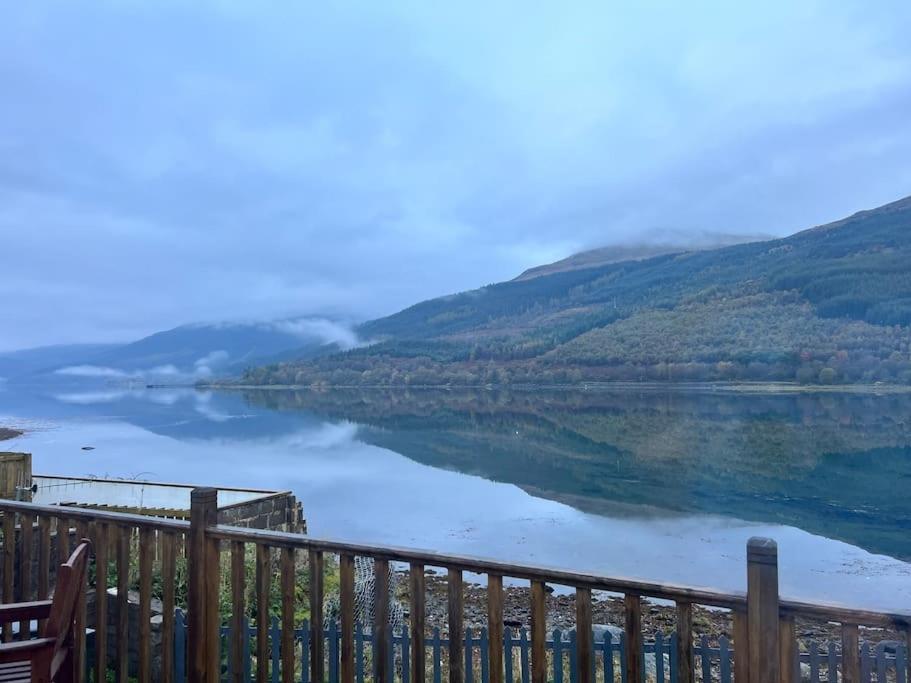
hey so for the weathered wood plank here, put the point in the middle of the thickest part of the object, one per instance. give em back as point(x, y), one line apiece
point(762, 610)
point(585, 649)
point(67, 538)
point(44, 563)
point(202, 648)
point(262, 613)
point(146, 557)
point(906, 636)
point(538, 632)
point(633, 630)
point(288, 600)
point(44, 557)
point(495, 627)
point(317, 642)
point(381, 621)
point(741, 647)
point(100, 540)
point(685, 664)
point(456, 626)
point(122, 535)
point(418, 615)
point(168, 575)
point(238, 609)
point(26, 536)
point(850, 649)
point(346, 606)
point(213, 603)
point(9, 558)
point(787, 649)
point(81, 532)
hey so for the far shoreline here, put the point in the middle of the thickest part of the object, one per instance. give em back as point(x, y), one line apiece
point(716, 387)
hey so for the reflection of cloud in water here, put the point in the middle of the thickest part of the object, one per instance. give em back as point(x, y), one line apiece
point(93, 371)
point(92, 397)
point(323, 437)
point(202, 403)
point(161, 397)
point(166, 397)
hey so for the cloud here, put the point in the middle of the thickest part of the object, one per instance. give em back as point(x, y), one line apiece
point(168, 371)
point(327, 331)
point(205, 366)
point(92, 371)
point(163, 163)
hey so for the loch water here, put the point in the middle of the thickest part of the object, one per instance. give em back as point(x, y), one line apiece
point(650, 482)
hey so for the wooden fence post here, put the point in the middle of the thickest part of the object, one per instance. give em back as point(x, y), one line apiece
point(762, 610)
point(203, 647)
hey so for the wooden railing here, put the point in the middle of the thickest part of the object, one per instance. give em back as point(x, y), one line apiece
point(37, 538)
point(764, 641)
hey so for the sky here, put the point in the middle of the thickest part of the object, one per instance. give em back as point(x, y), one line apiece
point(169, 162)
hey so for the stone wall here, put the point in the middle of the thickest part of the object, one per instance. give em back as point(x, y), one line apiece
point(133, 630)
point(278, 512)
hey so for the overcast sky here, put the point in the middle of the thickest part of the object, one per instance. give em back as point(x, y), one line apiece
point(163, 163)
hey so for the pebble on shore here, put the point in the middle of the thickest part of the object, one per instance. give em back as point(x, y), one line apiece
point(606, 610)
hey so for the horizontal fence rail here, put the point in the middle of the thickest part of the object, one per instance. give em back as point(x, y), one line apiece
point(175, 600)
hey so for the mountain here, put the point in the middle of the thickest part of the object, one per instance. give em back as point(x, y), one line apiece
point(185, 353)
point(18, 364)
point(189, 348)
point(666, 242)
point(830, 304)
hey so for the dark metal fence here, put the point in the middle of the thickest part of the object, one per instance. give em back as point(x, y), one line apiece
point(817, 662)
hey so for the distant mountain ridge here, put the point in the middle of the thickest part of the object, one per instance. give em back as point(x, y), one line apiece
point(830, 304)
point(182, 354)
point(44, 359)
point(666, 242)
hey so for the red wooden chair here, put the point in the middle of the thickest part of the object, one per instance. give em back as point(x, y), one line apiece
point(50, 657)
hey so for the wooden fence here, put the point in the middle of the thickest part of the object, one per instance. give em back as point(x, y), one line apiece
point(210, 563)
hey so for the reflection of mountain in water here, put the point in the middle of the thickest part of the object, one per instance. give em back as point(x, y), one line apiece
point(183, 414)
point(837, 465)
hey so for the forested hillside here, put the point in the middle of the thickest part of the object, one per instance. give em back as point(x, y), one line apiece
point(828, 305)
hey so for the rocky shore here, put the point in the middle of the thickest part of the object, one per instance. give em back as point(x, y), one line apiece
point(606, 610)
point(8, 433)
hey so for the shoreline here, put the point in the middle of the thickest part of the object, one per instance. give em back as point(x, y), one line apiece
point(783, 388)
point(607, 609)
point(7, 433)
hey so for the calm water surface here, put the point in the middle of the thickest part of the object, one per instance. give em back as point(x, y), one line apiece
point(655, 484)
